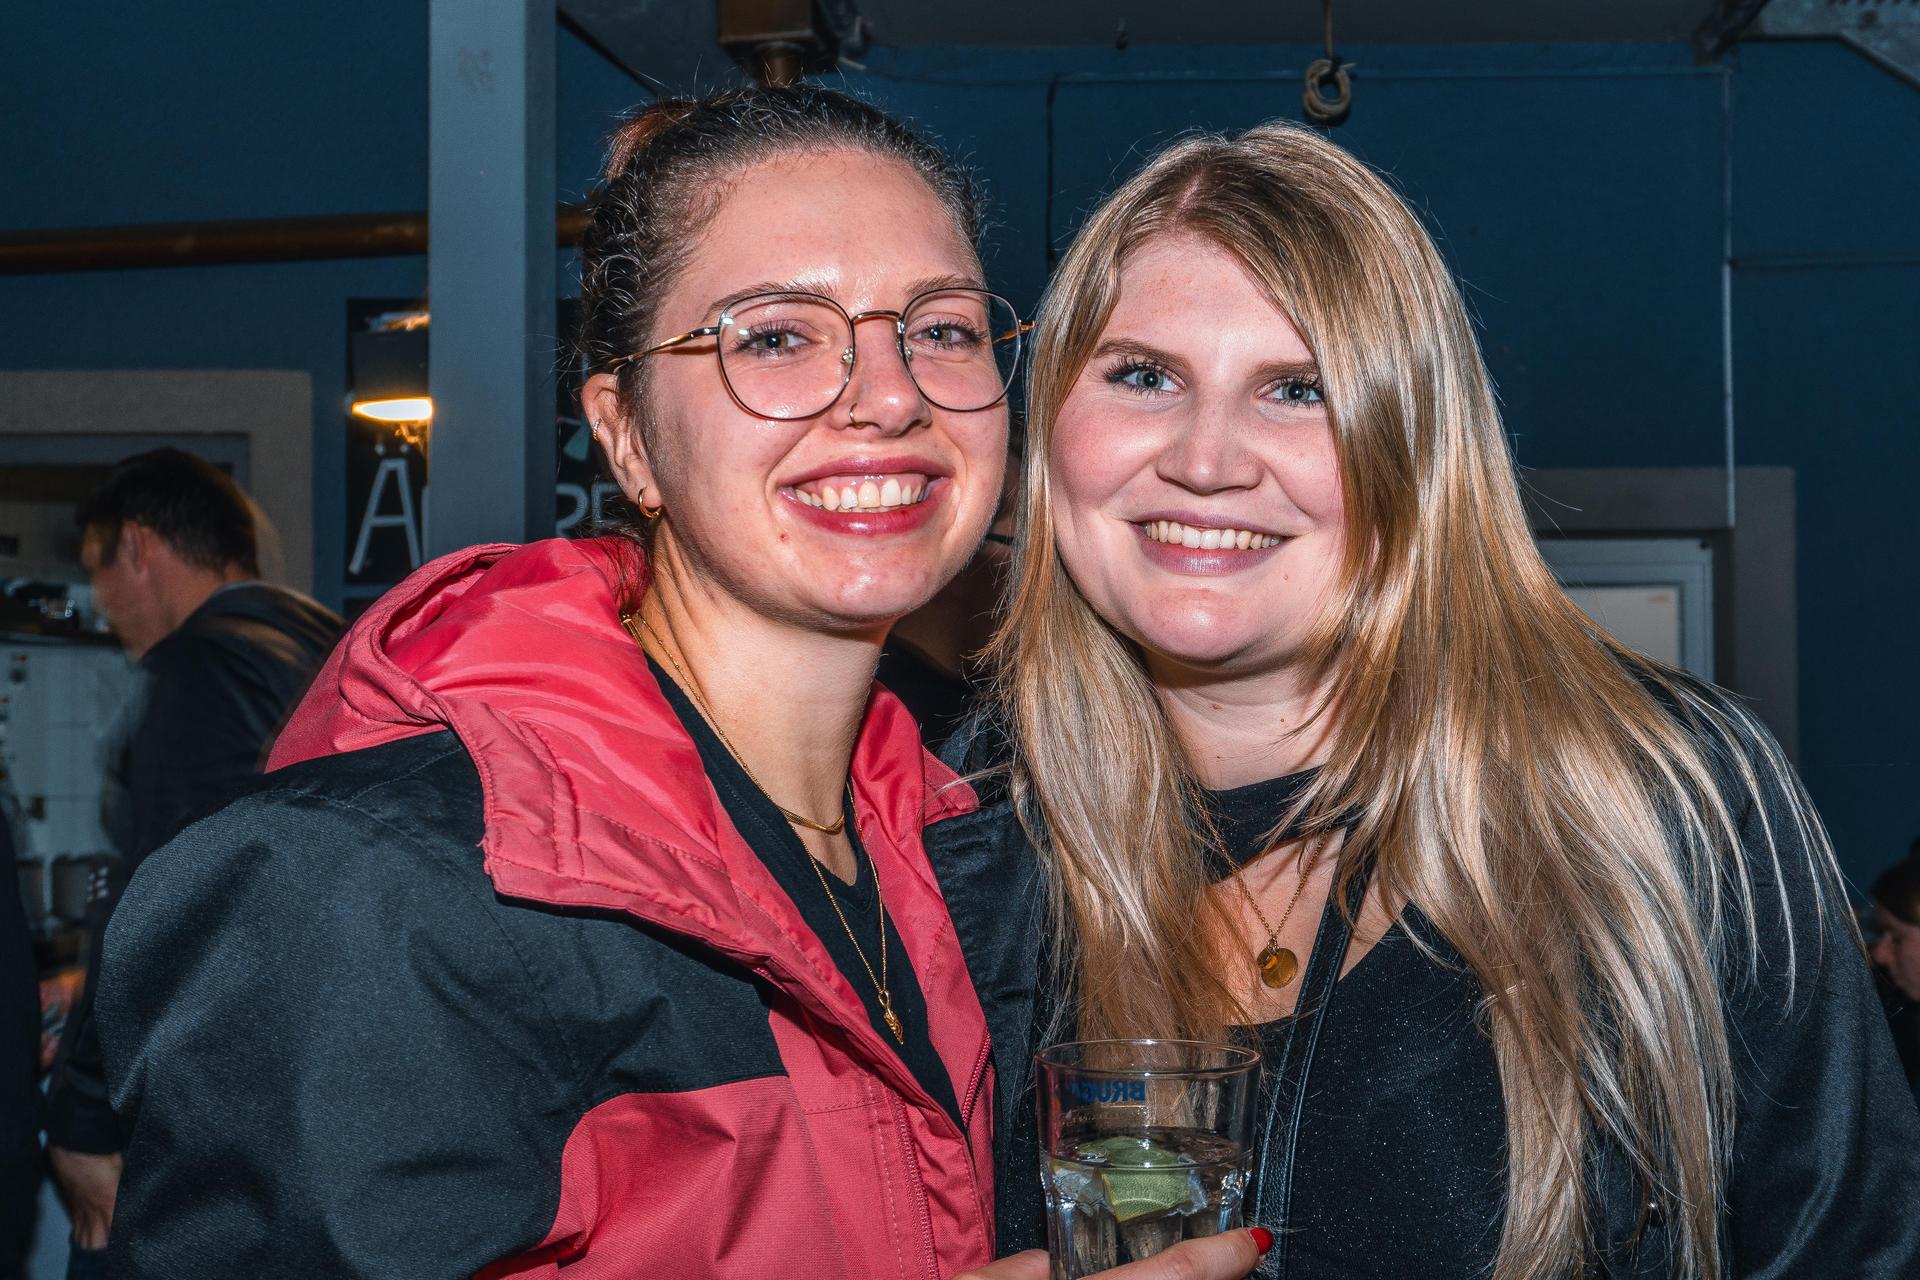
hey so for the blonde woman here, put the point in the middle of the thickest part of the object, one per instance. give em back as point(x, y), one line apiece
point(1542, 941)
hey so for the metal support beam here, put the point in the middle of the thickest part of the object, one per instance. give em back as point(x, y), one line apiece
point(490, 271)
point(1888, 31)
point(1721, 29)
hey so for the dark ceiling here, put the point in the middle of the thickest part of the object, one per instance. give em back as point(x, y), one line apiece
point(1093, 22)
point(674, 39)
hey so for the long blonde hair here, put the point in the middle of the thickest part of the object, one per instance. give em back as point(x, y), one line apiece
point(1550, 800)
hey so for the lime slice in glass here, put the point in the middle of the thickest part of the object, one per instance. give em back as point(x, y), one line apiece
point(1143, 1177)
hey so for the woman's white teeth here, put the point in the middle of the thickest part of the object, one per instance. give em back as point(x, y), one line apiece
point(865, 495)
point(1187, 535)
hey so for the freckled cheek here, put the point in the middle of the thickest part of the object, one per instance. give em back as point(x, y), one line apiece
point(730, 475)
point(1310, 475)
point(1326, 502)
point(1313, 484)
point(1092, 459)
point(1078, 491)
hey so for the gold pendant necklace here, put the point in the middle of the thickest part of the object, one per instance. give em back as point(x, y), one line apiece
point(883, 993)
point(1278, 965)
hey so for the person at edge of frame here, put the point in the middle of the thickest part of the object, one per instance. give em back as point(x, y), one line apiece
point(1542, 942)
point(20, 1160)
point(1896, 955)
point(604, 937)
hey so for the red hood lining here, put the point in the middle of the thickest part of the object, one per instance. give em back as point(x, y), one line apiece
point(519, 651)
point(388, 680)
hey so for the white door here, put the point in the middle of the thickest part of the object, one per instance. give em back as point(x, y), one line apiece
point(1654, 595)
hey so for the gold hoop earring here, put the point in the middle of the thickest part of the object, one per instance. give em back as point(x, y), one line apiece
point(593, 429)
point(653, 512)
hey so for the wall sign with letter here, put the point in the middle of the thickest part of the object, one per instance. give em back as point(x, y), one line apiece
point(387, 468)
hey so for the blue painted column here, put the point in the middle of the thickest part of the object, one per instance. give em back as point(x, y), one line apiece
point(490, 270)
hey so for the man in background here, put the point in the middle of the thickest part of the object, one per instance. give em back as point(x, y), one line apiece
point(169, 545)
point(19, 1068)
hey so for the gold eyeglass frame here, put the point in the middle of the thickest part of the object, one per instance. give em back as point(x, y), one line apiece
point(847, 357)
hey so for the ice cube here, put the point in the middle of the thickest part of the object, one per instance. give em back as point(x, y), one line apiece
point(1075, 1183)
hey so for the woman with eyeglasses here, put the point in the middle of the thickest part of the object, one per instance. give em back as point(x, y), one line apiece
point(585, 922)
point(1541, 942)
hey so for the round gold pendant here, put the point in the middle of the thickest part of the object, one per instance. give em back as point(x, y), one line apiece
point(1277, 965)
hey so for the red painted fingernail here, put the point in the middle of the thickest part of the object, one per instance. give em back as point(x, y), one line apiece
point(1262, 1238)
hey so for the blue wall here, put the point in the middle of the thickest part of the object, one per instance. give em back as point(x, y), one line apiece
point(1826, 234)
point(126, 114)
point(1587, 195)
point(1554, 176)
point(1581, 191)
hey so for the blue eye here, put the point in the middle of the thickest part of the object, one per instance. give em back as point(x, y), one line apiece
point(1140, 378)
point(1302, 391)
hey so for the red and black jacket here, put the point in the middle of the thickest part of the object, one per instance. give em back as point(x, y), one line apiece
point(481, 981)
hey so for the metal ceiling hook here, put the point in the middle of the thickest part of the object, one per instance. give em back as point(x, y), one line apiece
point(1325, 108)
point(1322, 107)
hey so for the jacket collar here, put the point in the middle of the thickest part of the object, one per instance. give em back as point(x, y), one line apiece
point(594, 795)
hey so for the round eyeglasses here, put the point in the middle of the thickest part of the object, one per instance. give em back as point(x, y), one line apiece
point(790, 355)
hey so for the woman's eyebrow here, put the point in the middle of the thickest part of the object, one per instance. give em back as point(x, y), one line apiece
point(801, 285)
point(914, 289)
point(1134, 347)
point(1305, 370)
point(949, 281)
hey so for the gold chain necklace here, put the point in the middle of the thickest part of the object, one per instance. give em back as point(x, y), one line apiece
point(635, 626)
point(1277, 965)
point(882, 991)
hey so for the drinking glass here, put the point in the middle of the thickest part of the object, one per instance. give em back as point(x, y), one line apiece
point(1143, 1143)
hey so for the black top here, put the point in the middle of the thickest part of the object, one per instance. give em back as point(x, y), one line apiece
point(938, 700)
point(1393, 1175)
point(217, 688)
point(1826, 1147)
point(215, 691)
point(1903, 1020)
point(767, 833)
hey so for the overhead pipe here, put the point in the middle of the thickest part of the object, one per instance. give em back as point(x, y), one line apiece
point(207, 244)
